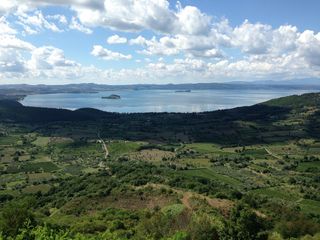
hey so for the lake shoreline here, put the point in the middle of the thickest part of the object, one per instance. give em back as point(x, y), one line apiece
point(144, 101)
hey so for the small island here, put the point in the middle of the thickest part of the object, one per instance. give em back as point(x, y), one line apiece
point(112, 96)
point(183, 91)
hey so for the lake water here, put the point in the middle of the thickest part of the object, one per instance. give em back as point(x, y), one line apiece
point(157, 100)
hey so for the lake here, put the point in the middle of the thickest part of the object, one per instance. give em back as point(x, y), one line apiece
point(158, 100)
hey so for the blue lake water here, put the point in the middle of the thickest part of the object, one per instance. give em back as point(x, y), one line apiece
point(157, 100)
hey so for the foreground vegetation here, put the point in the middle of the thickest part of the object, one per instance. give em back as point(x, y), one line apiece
point(246, 173)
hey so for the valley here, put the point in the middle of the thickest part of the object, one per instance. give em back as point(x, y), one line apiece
point(82, 172)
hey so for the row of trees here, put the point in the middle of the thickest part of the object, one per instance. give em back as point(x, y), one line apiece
point(18, 222)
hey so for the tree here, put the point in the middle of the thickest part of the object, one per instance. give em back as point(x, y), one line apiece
point(13, 217)
point(204, 227)
point(244, 224)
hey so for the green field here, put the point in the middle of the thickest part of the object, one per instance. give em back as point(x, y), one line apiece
point(38, 166)
point(279, 193)
point(9, 140)
point(41, 141)
point(309, 166)
point(310, 206)
point(209, 174)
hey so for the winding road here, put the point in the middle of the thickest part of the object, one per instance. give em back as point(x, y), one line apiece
point(272, 154)
point(104, 146)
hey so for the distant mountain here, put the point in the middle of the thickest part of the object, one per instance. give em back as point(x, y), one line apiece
point(301, 82)
point(18, 91)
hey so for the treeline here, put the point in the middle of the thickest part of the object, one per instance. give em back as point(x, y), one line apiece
point(18, 222)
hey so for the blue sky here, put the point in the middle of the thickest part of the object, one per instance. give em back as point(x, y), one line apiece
point(303, 14)
point(158, 41)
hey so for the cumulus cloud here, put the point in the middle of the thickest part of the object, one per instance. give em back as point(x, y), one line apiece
point(106, 54)
point(75, 25)
point(7, 5)
point(211, 53)
point(192, 21)
point(21, 60)
point(48, 57)
point(11, 61)
point(203, 45)
point(197, 46)
point(131, 15)
point(253, 38)
point(116, 39)
point(59, 17)
point(251, 69)
point(154, 15)
point(5, 27)
point(10, 41)
point(35, 22)
point(309, 47)
point(284, 39)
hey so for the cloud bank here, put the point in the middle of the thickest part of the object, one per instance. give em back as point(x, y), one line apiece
point(187, 45)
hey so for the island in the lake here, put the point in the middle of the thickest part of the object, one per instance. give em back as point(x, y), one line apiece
point(183, 91)
point(112, 96)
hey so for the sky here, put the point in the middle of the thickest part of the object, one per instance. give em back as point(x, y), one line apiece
point(158, 41)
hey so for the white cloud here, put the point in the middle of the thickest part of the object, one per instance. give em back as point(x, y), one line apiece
point(309, 47)
point(11, 61)
point(27, 30)
point(127, 15)
point(5, 27)
point(7, 5)
point(155, 15)
point(193, 22)
point(197, 46)
point(163, 46)
point(106, 54)
point(75, 25)
point(22, 61)
point(284, 39)
point(138, 41)
point(252, 38)
point(252, 69)
point(260, 39)
point(48, 57)
point(116, 39)
point(34, 23)
point(59, 17)
point(10, 41)
point(211, 53)
point(205, 47)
